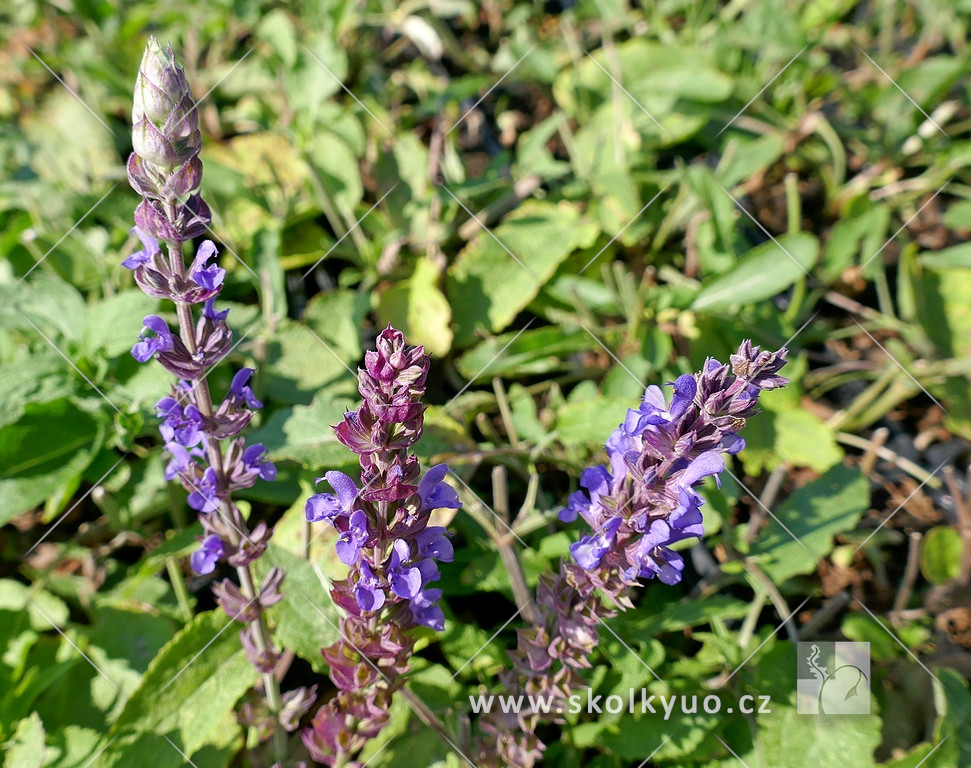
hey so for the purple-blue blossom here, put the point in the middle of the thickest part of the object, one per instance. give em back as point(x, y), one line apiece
point(368, 592)
point(148, 346)
point(240, 391)
point(254, 459)
point(433, 543)
point(208, 277)
point(405, 579)
point(435, 493)
point(210, 551)
point(352, 538)
point(183, 425)
point(425, 609)
point(148, 252)
point(590, 550)
point(205, 497)
point(327, 506)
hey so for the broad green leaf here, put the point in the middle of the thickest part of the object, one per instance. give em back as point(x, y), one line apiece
point(795, 740)
point(76, 746)
point(418, 309)
point(813, 515)
point(940, 554)
point(277, 30)
point(763, 272)
point(298, 365)
point(337, 317)
point(534, 352)
point(55, 307)
point(305, 434)
point(670, 615)
point(47, 447)
point(306, 619)
point(46, 611)
point(26, 748)
point(955, 257)
point(193, 682)
point(863, 628)
point(337, 167)
point(590, 420)
point(488, 286)
point(854, 240)
point(785, 432)
point(38, 378)
point(113, 323)
point(656, 75)
point(955, 699)
point(944, 313)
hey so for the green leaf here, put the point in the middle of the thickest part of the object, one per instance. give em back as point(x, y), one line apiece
point(337, 167)
point(26, 748)
point(46, 448)
point(590, 420)
point(487, 287)
point(763, 272)
point(304, 433)
point(863, 628)
point(277, 30)
point(298, 365)
point(306, 619)
point(785, 432)
point(813, 515)
point(38, 378)
point(940, 554)
point(336, 317)
point(534, 352)
point(795, 740)
point(955, 257)
point(113, 324)
point(193, 682)
point(670, 615)
point(418, 309)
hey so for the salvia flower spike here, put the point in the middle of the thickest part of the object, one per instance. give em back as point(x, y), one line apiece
point(385, 540)
point(207, 453)
point(636, 507)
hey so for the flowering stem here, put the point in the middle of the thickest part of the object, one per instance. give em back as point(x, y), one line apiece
point(214, 453)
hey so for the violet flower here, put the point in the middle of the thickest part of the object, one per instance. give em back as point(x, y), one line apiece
point(165, 169)
point(637, 507)
point(385, 540)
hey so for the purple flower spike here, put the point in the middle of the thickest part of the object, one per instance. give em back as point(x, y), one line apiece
point(147, 347)
point(645, 502)
point(205, 453)
point(387, 544)
point(204, 559)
